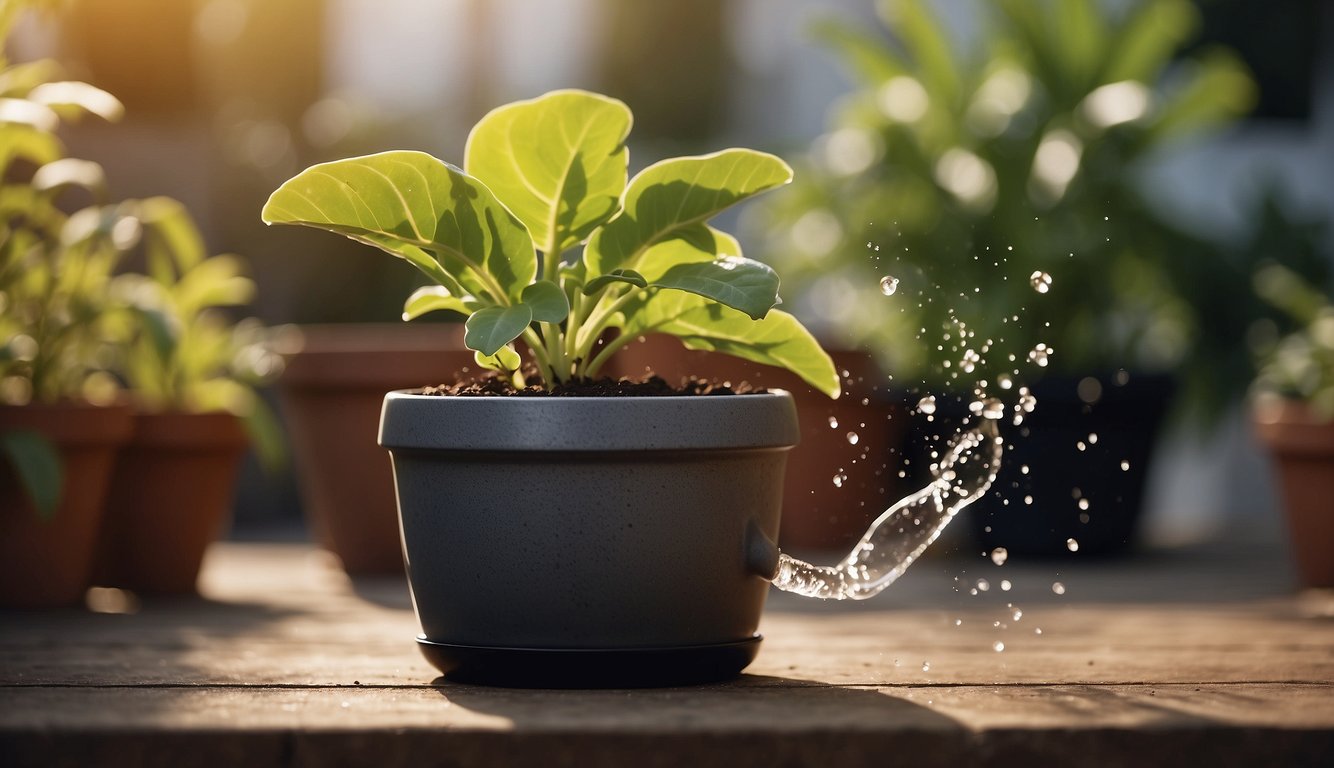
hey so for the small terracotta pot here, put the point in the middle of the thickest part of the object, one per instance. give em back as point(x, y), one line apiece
point(170, 496)
point(331, 393)
point(818, 512)
point(47, 563)
point(1303, 449)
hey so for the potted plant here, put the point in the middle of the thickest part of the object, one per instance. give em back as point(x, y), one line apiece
point(1294, 418)
point(988, 202)
point(581, 537)
point(190, 375)
point(59, 422)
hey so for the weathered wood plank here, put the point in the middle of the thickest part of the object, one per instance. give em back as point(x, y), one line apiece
point(287, 663)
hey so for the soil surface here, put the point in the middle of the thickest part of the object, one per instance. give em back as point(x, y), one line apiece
point(496, 385)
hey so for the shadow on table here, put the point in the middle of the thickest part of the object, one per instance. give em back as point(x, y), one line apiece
point(384, 591)
point(750, 706)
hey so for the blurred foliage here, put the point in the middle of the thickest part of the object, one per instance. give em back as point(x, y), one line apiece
point(969, 174)
point(173, 346)
point(1300, 364)
point(70, 328)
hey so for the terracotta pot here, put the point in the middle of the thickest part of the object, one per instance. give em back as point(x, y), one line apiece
point(818, 513)
point(331, 394)
point(47, 563)
point(1303, 449)
point(170, 496)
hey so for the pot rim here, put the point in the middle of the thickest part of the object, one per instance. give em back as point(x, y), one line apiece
point(410, 420)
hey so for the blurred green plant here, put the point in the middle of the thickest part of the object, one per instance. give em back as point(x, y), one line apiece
point(1299, 365)
point(175, 349)
point(995, 191)
point(67, 324)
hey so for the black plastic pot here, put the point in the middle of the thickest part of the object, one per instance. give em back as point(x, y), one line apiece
point(1117, 425)
point(589, 541)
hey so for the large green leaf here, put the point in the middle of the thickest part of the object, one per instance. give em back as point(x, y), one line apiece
point(411, 204)
point(674, 194)
point(779, 339)
point(487, 330)
point(701, 260)
point(38, 467)
point(557, 161)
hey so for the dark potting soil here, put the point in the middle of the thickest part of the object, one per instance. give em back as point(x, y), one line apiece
point(496, 385)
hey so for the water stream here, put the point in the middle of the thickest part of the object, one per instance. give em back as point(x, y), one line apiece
point(899, 536)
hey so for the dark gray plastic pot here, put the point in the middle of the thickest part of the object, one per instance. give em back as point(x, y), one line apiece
point(589, 541)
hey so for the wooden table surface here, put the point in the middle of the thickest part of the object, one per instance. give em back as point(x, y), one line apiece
point(1164, 660)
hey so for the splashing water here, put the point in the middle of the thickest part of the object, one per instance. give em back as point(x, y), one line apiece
point(899, 536)
point(1041, 281)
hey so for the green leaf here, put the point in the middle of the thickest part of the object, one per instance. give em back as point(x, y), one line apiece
point(865, 54)
point(929, 46)
point(505, 359)
point(1148, 39)
point(1081, 40)
point(171, 234)
point(487, 330)
point(704, 261)
point(434, 298)
point(547, 301)
point(615, 276)
point(674, 194)
point(71, 98)
point(557, 161)
point(779, 339)
point(412, 205)
point(1218, 88)
point(38, 466)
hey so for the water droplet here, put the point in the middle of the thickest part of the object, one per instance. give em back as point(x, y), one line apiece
point(1005, 585)
point(1083, 503)
point(1058, 588)
point(1039, 354)
point(1080, 445)
point(1004, 381)
point(852, 438)
point(958, 622)
point(991, 408)
point(1072, 545)
point(833, 423)
point(838, 480)
point(983, 585)
point(927, 405)
point(1028, 500)
point(998, 555)
point(1023, 469)
point(1018, 614)
point(926, 666)
point(1027, 402)
point(888, 285)
point(1041, 281)
point(1037, 630)
point(1093, 438)
point(1125, 465)
point(998, 646)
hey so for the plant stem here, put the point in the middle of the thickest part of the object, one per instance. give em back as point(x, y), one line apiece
point(540, 357)
point(607, 351)
point(596, 324)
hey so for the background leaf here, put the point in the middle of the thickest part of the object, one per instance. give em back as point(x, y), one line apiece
point(38, 467)
point(411, 204)
point(677, 193)
point(557, 161)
